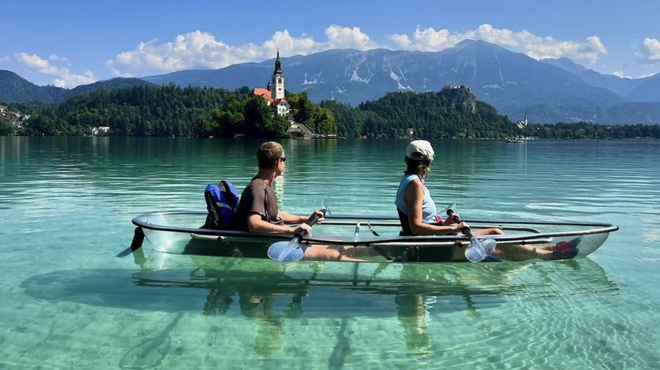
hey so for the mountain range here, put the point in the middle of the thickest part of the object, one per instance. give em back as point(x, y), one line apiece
point(545, 91)
point(15, 89)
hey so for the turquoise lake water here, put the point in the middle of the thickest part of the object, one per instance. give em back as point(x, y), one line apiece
point(66, 206)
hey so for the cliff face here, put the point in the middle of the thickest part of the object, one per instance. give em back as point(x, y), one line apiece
point(460, 96)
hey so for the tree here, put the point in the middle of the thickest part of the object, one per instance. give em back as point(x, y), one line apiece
point(258, 117)
point(6, 127)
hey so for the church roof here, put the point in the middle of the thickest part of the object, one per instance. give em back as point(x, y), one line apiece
point(263, 93)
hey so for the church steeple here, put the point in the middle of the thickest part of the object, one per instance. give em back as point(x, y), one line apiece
point(278, 64)
point(277, 81)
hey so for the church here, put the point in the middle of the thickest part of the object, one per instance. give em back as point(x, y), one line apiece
point(274, 91)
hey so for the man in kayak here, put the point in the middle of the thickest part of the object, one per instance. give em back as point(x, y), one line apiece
point(417, 213)
point(258, 211)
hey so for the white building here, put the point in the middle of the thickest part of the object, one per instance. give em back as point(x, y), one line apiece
point(100, 130)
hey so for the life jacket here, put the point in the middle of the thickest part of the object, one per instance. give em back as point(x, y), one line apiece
point(221, 204)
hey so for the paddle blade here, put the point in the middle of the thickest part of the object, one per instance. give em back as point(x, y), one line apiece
point(324, 208)
point(136, 243)
point(478, 250)
point(286, 251)
point(489, 245)
point(125, 252)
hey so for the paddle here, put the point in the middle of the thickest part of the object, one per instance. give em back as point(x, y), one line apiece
point(478, 250)
point(136, 244)
point(291, 251)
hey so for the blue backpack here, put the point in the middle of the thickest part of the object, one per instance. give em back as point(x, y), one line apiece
point(221, 204)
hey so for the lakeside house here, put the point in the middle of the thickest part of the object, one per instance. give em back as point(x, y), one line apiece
point(16, 118)
point(100, 130)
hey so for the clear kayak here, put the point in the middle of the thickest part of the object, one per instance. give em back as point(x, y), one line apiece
point(370, 238)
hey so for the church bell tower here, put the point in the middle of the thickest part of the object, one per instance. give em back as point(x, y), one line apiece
point(277, 81)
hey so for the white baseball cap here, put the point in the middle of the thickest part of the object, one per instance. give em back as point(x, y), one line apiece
point(420, 149)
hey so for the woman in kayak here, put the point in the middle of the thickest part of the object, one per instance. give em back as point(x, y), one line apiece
point(417, 213)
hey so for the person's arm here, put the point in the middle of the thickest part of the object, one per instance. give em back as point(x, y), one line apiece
point(296, 219)
point(292, 219)
point(414, 197)
point(253, 200)
point(257, 225)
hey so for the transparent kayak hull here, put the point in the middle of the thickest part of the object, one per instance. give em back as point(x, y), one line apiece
point(372, 238)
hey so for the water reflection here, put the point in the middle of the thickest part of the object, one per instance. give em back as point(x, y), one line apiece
point(272, 296)
point(215, 286)
point(419, 295)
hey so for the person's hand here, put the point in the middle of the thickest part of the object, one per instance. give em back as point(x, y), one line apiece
point(459, 226)
point(454, 216)
point(304, 227)
point(318, 214)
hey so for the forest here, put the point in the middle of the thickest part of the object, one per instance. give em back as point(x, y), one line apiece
point(168, 111)
point(457, 115)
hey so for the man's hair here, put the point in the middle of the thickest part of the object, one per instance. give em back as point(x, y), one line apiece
point(268, 154)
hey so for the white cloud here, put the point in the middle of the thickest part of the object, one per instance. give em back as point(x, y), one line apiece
point(622, 74)
point(649, 51)
point(64, 78)
point(4, 58)
point(344, 38)
point(403, 41)
point(200, 50)
point(55, 58)
point(523, 41)
point(427, 40)
point(194, 50)
point(69, 80)
point(35, 63)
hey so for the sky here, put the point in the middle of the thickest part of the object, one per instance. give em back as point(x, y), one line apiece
point(67, 43)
